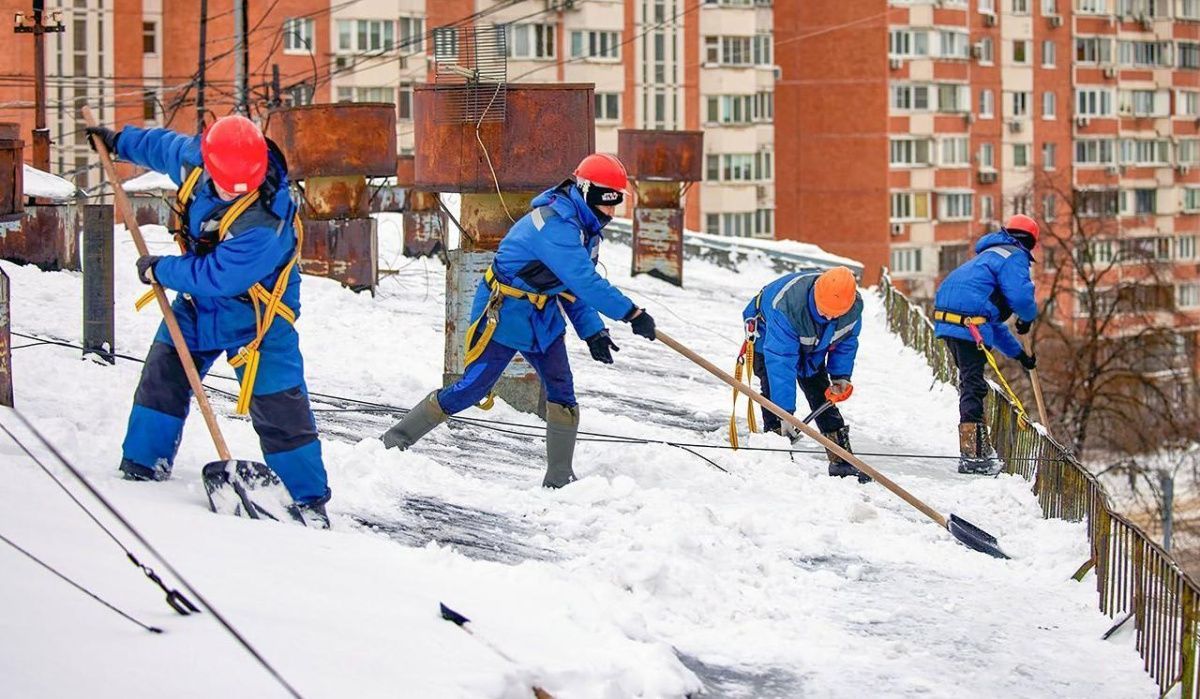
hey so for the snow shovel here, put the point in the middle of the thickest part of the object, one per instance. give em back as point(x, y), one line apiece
point(967, 533)
point(1037, 394)
point(219, 476)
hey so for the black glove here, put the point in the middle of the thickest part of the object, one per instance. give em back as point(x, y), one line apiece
point(602, 347)
point(105, 135)
point(1028, 361)
point(641, 322)
point(1023, 326)
point(145, 268)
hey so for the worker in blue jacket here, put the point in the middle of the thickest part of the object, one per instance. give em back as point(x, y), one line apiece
point(545, 263)
point(803, 329)
point(238, 252)
point(970, 310)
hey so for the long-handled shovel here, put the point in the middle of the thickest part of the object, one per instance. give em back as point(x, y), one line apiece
point(967, 533)
point(1037, 395)
point(243, 476)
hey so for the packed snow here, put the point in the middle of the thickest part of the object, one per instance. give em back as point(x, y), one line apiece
point(37, 183)
point(149, 181)
point(654, 575)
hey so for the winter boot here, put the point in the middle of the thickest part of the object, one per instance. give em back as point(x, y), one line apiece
point(562, 424)
point(132, 471)
point(837, 465)
point(423, 417)
point(311, 514)
point(976, 454)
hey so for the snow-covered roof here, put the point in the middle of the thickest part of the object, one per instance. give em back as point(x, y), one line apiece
point(794, 247)
point(42, 184)
point(149, 182)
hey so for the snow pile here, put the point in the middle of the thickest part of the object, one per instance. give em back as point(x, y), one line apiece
point(653, 575)
point(149, 181)
point(42, 184)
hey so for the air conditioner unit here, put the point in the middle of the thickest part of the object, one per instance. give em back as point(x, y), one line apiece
point(989, 20)
point(1183, 169)
point(968, 118)
point(777, 72)
point(895, 63)
point(987, 177)
point(1015, 126)
point(977, 50)
point(1147, 23)
point(1082, 122)
point(1110, 72)
point(1112, 170)
point(1056, 21)
point(898, 229)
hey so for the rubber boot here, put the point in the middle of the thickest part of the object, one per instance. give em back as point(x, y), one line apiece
point(132, 471)
point(837, 465)
point(423, 417)
point(562, 424)
point(311, 514)
point(976, 454)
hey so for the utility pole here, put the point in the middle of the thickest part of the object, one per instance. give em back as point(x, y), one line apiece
point(240, 58)
point(201, 67)
point(41, 134)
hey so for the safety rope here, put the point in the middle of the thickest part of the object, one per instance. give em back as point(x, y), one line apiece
point(991, 360)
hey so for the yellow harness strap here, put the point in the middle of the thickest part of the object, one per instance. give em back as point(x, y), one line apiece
point(473, 347)
point(970, 322)
point(957, 318)
point(745, 361)
point(267, 304)
point(991, 359)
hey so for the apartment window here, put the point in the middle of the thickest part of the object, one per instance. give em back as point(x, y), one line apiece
point(445, 43)
point(1093, 7)
point(149, 37)
point(1049, 105)
point(1185, 245)
point(1049, 8)
point(764, 106)
point(1020, 157)
point(534, 41)
point(1094, 151)
point(1093, 49)
point(1020, 104)
point(909, 97)
point(149, 106)
point(730, 109)
point(1049, 155)
point(345, 94)
point(1145, 152)
point(910, 152)
point(738, 167)
point(910, 206)
point(412, 34)
point(1020, 7)
point(764, 223)
point(729, 50)
point(1049, 54)
point(987, 156)
point(712, 224)
point(954, 44)
point(375, 34)
point(1187, 295)
point(712, 167)
point(404, 101)
point(954, 98)
point(1090, 203)
point(738, 224)
point(763, 170)
point(1020, 49)
point(955, 151)
point(1187, 102)
point(986, 52)
point(987, 208)
point(345, 35)
point(955, 206)
point(1191, 204)
point(1144, 53)
point(1049, 207)
point(762, 47)
point(298, 35)
point(608, 106)
point(1187, 151)
point(1189, 55)
point(374, 94)
point(1142, 8)
point(987, 104)
point(1143, 102)
point(987, 7)
point(906, 260)
point(906, 43)
point(1093, 102)
point(1187, 9)
point(593, 44)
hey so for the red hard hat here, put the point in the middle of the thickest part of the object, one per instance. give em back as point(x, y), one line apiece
point(1021, 222)
point(235, 154)
point(605, 170)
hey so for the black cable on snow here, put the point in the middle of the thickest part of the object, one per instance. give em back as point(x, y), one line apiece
point(245, 644)
point(182, 605)
point(77, 586)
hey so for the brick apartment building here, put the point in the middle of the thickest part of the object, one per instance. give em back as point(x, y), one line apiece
point(658, 64)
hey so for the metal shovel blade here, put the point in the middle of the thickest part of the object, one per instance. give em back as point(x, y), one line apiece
point(973, 537)
point(245, 489)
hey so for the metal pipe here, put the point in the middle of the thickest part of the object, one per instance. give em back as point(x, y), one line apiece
point(99, 332)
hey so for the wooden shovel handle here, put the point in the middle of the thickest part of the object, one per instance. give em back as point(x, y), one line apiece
point(185, 356)
point(800, 425)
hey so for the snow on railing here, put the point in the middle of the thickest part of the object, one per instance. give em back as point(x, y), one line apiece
point(1135, 577)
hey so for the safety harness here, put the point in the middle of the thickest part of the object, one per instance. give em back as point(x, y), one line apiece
point(972, 323)
point(267, 304)
point(474, 346)
point(745, 361)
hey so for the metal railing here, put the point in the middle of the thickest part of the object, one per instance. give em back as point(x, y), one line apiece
point(1135, 577)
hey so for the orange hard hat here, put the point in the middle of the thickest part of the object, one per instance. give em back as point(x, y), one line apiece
point(603, 169)
point(235, 154)
point(1021, 222)
point(835, 291)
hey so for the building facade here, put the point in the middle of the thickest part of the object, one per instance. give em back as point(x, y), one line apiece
point(656, 64)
